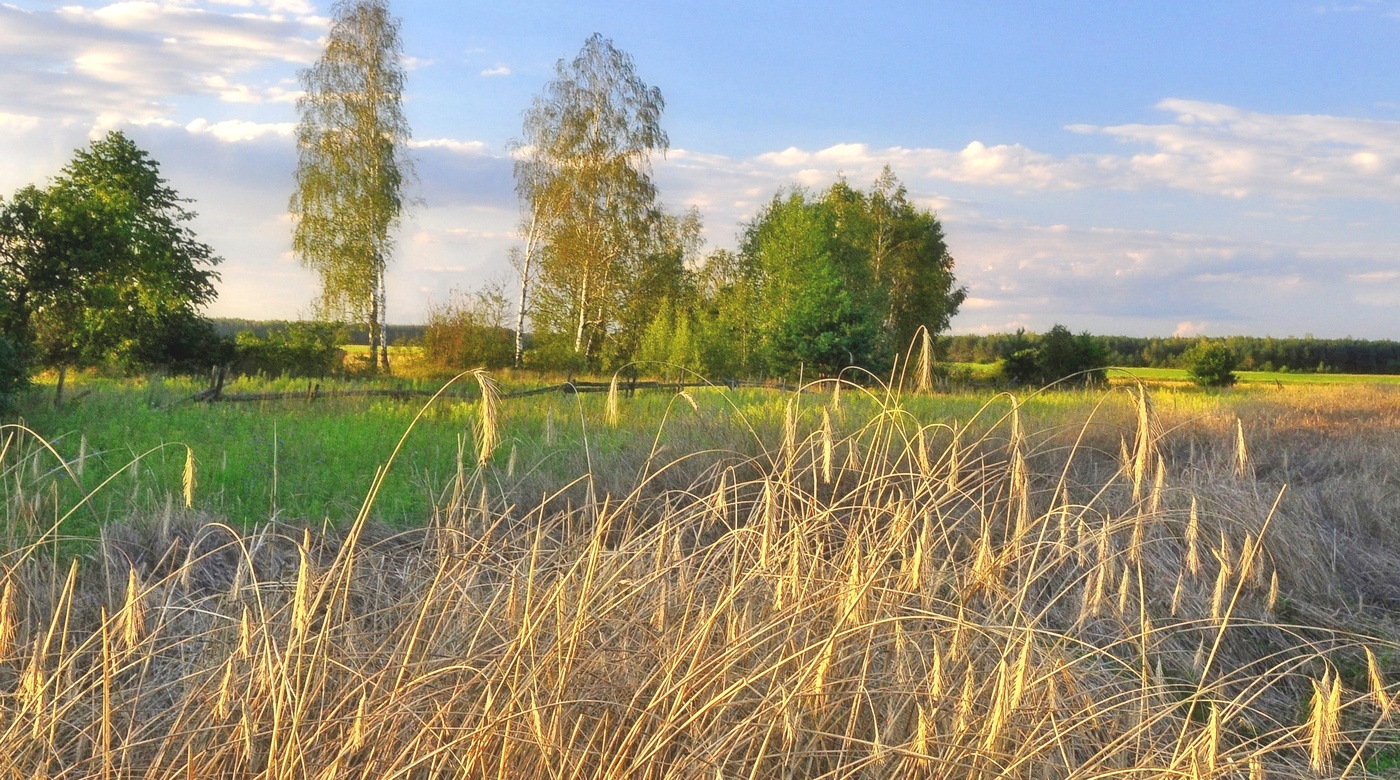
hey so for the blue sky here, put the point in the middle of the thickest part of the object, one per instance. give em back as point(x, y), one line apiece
point(1136, 168)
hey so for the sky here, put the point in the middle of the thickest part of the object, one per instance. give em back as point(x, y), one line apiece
point(1124, 168)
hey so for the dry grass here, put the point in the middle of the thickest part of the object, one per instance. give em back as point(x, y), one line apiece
point(1131, 597)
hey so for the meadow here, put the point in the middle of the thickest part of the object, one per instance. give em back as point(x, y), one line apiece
point(846, 582)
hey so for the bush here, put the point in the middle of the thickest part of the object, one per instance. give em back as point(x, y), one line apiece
point(14, 374)
point(185, 344)
point(306, 349)
point(1055, 356)
point(469, 331)
point(1210, 365)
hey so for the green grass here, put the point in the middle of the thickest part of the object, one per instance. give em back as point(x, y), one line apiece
point(313, 461)
point(1260, 377)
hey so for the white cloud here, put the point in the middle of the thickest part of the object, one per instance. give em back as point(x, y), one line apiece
point(235, 130)
point(499, 70)
point(138, 58)
point(1208, 148)
point(1224, 150)
point(474, 148)
point(18, 122)
point(1190, 329)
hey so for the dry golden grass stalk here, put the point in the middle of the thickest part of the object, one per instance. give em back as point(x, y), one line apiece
point(187, 480)
point(1241, 450)
point(1324, 721)
point(1379, 691)
point(828, 445)
point(925, 363)
point(614, 412)
point(489, 420)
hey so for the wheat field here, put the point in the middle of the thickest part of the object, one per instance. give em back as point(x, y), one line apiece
point(1142, 587)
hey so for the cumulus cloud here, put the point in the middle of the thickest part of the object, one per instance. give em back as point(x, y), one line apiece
point(235, 130)
point(1207, 148)
point(1000, 165)
point(1113, 280)
point(137, 58)
point(499, 70)
point(1229, 151)
point(475, 148)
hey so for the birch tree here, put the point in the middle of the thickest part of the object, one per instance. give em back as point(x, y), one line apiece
point(584, 178)
point(352, 166)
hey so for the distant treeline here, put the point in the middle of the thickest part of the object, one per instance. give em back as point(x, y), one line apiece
point(1254, 353)
point(232, 326)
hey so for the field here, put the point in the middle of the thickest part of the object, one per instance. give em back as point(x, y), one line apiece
point(1178, 376)
point(1261, 377)
point(858, 583)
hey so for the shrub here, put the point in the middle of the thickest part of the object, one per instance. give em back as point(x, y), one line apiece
point(1210, 364)
point(469, 331)
point(186, 344)
point(1055, 356)
point(14, 374)
point(301, 349)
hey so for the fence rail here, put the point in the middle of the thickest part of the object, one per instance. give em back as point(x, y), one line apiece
point(313, 392)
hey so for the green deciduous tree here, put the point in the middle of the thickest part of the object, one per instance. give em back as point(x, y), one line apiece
point(844, 278)
point(353, 165)
point(910, 263)
point(814, 306)
point(102, 264)
point(1210, 364)
point(1054, 356)
point(583, 173)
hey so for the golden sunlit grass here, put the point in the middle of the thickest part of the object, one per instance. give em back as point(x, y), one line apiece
point(998, 596)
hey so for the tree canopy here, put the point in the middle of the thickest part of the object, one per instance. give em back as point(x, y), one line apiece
point(102, 265)
point(830, 280)
point(352, 165)
point(583, 173)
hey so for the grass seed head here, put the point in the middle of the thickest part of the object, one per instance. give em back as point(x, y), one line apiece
point(925, 367)
point(614, 412)
point(1324, 722)
point(132, 617)
point(489, 422)
point(1241, 450)
point(8, 618)
point(1379, 692)
point(188, 479)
